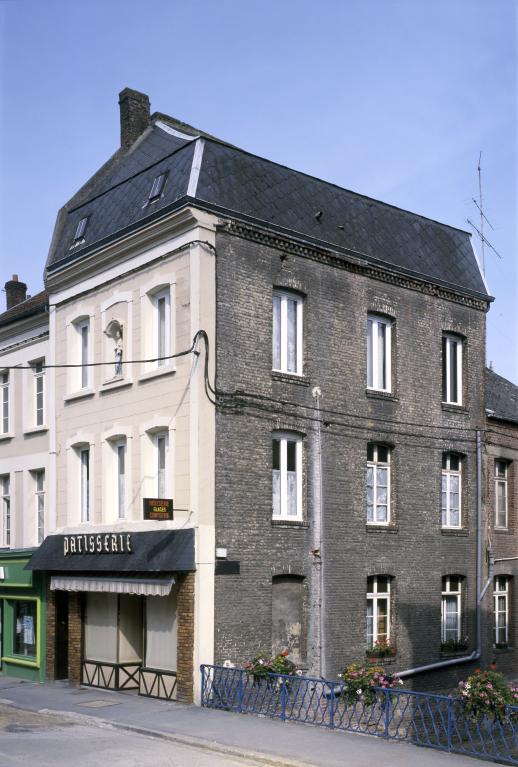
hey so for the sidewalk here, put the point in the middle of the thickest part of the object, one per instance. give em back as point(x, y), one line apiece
point(261, 739)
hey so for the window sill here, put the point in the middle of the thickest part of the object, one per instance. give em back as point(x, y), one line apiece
point(454, 654)
point(455, 532)
point(378, 394)
point(451, 407)
point(503, 650)
point(293, 378)
point(36, 429)
point(502, 531)
point(20, 661)
point(374, 528)
point(116, 383)
point(6, 435)
point(158, 373)
point(387, 660)
point(283, 522)
point(82, 394)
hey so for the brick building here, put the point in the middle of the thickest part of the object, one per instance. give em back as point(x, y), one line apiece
point(323, 445)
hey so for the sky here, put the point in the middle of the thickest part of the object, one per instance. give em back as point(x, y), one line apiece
point(394, 99)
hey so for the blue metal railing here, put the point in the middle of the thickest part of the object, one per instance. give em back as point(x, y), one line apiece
point(436, 721)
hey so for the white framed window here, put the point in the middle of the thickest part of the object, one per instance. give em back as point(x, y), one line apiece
point(287, 332)
point(379, 354)
point(378, 609)
point(451, 608)
point(39, 494)
point(378, 484)
point(6, 510)
point(162, 322)
point(39, 392)
point(452, 369)
point(120, 479)
point(451, 490)
point(4, 400)
point(161, 441)
point(501, 487)
point(501, 610)
point(286, 476)
point(85, 489)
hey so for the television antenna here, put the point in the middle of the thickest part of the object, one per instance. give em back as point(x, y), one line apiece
point(483, 239)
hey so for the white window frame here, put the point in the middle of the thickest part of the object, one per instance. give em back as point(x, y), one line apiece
point(283, 438)
point(121, 484)
point(501, 480)
point(161, 486)
point(166, 351)
point(448, 593)
point(375, 596)
point(374, 325)
point(39, 495)
point(448, 340)
point(5, 489)
point(39, 379)
point(5, 403)
point(282, 330)
point(85, 483)
point(374, 465)
point(500, 590)
point(448, 474)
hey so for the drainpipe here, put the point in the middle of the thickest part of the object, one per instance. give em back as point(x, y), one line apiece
point(318, 536)
point(475, 655)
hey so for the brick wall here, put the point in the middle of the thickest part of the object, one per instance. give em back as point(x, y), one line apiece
point(414, 550)
point(75, 630)
point(185, 657)
point(50, 651)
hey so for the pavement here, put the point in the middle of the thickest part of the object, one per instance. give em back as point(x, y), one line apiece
point(256, 739)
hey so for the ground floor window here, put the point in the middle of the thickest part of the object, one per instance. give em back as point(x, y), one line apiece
point(451, 608)
point(161, 632)
point(378, 610)
point(24, 628)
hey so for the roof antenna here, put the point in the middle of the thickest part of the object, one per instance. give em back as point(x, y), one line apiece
point(483, 239)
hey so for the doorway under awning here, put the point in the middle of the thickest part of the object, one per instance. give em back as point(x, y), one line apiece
point(148, 587)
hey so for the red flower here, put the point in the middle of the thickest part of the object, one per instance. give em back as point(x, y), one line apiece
point(492, 666)
point(285, 653)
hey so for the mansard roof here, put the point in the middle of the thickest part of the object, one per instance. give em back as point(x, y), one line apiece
point(209, 173)
point(501, 398)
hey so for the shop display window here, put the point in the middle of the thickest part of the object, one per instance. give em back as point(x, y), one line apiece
point(24, 627)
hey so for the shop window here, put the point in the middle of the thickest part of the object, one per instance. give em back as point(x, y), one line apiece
point(161, 632)
point(24, 628)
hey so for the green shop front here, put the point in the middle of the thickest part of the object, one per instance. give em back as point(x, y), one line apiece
point(22, 617)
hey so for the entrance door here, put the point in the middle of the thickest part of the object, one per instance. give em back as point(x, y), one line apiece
point(61, 661)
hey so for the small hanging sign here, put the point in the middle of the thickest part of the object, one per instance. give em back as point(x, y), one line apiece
point(160, 509)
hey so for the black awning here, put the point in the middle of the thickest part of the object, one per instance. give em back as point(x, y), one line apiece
point(155, 551)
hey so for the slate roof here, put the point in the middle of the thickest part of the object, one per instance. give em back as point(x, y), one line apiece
point(501, 397)
point(239, 184)
point(35, 305)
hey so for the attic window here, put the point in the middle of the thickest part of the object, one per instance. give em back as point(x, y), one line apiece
point(81, 229)
point(157, 187)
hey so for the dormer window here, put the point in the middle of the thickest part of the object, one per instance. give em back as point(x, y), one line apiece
point(80, 230)
point(157, 187)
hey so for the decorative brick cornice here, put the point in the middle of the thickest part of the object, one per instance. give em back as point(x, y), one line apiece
point(348, 262)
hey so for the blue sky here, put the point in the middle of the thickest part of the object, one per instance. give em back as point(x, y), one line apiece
point(390, 98)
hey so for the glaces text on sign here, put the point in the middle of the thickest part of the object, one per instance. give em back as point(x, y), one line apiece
point(103, 543)
point(160, 509)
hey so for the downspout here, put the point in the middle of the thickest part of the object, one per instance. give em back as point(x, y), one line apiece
point(475, 655)
point(318, 538)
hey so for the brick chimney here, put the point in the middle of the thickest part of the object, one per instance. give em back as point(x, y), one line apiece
point(134, 114)
point(15, 292)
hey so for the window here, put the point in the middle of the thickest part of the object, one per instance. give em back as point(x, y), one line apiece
point(6, 510)
point(24, 627)
point(82, 353)
point(378, 609)
point(378, 484)
point(287, 332)
point(451, 609)
point(84, 456)
point(161, 446)
point(501, 610)
point(80, 230)
point(39, 393)
point(287, 477)
point(4, 392)
point(120, 454)
point(39, 489)
point(452, 370)
point(379, 332)
point(162, 327)
point(451, 490)
point(501, 494)
point(157, 187)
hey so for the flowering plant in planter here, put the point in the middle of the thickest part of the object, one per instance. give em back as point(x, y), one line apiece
point(381, 649)
point(263, 664)
point(454, 645)
point(360, 683)
point(486, 693)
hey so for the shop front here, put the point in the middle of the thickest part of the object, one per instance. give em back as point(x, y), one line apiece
point(120, 610)
point(22, 616)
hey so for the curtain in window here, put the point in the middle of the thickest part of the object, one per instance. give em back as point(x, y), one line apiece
point(161, 632)
point(101, 627)
point(451, 615)
point(292, 336)
point(277, 332)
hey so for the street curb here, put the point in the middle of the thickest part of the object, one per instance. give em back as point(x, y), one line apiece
point(186, 740)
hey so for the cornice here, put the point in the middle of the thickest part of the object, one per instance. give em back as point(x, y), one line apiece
point(350, 263)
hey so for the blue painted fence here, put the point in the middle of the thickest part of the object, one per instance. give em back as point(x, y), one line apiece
point(436, 721)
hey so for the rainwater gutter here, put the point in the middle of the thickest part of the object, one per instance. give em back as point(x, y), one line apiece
point(475, 655)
